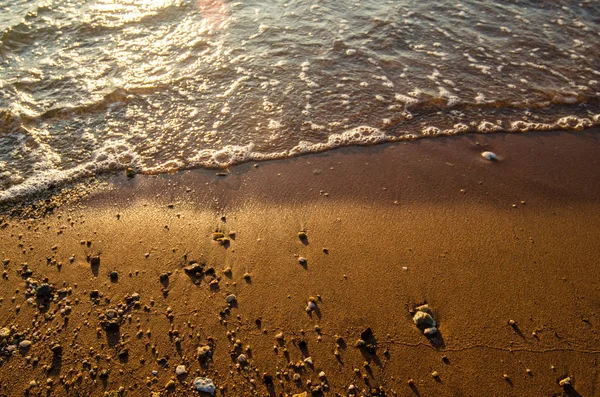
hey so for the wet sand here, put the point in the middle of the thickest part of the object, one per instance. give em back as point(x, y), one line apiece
point(387, 228)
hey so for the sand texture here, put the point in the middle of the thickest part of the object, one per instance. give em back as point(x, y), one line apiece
point(137, 276)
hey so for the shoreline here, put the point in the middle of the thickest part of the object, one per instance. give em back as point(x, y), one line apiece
point(482, 243)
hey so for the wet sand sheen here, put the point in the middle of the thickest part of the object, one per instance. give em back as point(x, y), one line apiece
point(430, 221)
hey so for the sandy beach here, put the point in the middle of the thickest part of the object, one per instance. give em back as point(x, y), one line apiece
point(264, 277)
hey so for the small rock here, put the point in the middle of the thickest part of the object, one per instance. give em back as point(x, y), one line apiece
point(430, 331)
point(512, 323)
point(25, 344)
point(242, 359)
point(322, 374)
point(218, 236)
point(180, 370)
point(303, 394)
point(267, 379)
point(114, 275)
point(279, 336)
point(423, 320)
point(4, 333)
point(204, 385)
point(170, 384)
point(204, 352)
point(43, 291)
point(296, 377)
point(302, 260)
point(308, 360)
point(111, 313)
point(491, 156)
point(231, 298)
point(56, 349)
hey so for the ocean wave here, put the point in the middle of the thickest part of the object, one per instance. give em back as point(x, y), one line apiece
point(118, 155)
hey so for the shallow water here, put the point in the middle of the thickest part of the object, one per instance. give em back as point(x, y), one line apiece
point(161, 85)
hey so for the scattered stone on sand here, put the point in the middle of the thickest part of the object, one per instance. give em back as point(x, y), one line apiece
point(4, 333)
point(194, 269)
point(114, 275)
point(322, 375)
point(308, 360)
point(430, 331)
point(512, 323)
point(565, 382)
point(204, 385)
point(242, 359)
point(231, 298)
point(302, 260)
point(424, 320)
point(204, 352)
point(303, 394)
point(25, 344)
point(217, 236)
point(279, 336)
point(43, 291)
point(491, 156)
point(267, 379)
point(95, 261)
point(180, 370)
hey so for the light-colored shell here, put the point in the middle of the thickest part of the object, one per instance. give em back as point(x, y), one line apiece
point(491, 156)
point(565, 382)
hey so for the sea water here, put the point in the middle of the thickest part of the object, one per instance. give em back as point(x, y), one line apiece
point(90, 86)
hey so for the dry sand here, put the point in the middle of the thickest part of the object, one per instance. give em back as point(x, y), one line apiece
point(402, 224)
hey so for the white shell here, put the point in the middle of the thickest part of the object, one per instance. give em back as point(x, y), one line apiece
point(491, 156)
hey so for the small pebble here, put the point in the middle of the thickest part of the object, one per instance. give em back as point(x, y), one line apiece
point(180, 370)
point(25, 344)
